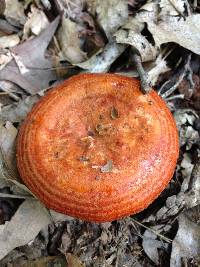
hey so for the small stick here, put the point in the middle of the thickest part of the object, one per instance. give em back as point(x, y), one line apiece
point(153, 231)
point(10, 94)
point(180, 96)
point(145, 86)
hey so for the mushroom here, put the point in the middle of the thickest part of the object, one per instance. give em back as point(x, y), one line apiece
point(97, 149)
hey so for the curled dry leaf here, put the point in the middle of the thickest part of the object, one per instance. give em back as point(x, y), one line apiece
point(14, 12)
point(9, 41)
point(70, 42)
point(131, 35)
point(36, 22)
point(111, 15)
point(187, 241)
point(24, 226)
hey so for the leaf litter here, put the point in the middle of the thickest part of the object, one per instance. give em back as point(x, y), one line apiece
point(100, 36)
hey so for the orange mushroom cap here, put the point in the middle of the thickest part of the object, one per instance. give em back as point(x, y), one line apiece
point(98, 149)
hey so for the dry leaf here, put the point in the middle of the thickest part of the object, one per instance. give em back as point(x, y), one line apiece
point(102, 61)
point(146, 50)
point(18, 111)
point(14, 12)
point(70, 42)
point(111, 15)
point(73, 261)
point(7, 146)
point(184, 32)
point(159, 67)
point(59, 217)
point(151, 245)
point(9, 41)
point(5, 59)
point(8, 170)
point(36, 22)
point(171, 7)
point(24, 226)
point(186, 166)
point(186, 243)
point(32, 55)
point(187, 134)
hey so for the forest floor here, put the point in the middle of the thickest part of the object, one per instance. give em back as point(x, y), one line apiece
point(43, 42)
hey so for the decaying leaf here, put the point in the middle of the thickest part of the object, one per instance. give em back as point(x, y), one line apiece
point(14, 12)
point(32, 55)
point(18, 111)
point(151, 245)
point(59, 217)
point(111, 15)
point(9, 41)
point(131, 35)
point(70, 42)
point(24, 226)
point(159, 66)
point(5, 59)
point(186, 165)
point(7, 145)
point(36, 22)
point(171, 7)
point(183, 31)
point(8, 170)
point(187, 134)
point(186, 243)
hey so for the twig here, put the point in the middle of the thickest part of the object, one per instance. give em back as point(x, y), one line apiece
point(187, 72)
point(176, 9)
point(153, 231)
point(180, 96)
point(145, 86)
point(174, 87)
point(11, 95)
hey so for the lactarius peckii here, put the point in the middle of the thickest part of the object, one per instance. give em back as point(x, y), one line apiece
point(98, 149)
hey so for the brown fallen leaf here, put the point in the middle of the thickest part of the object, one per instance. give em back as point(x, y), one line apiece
point(38, 68)
point(73, 261)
